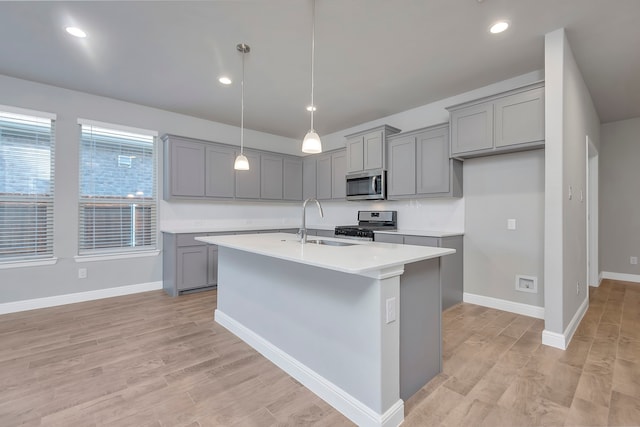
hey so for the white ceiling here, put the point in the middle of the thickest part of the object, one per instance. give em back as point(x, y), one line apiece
point(373, 57)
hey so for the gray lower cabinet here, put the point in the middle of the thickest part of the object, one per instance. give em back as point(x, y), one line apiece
point(248, 182)
point(187, 264)
point(292, 179)
point(506, 122)
point(451, 266)
point(419, 165)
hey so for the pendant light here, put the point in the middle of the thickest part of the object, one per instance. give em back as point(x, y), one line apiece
point(311, 143)
point(242, 163)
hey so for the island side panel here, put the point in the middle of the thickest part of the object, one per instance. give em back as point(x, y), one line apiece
point(420, 325)
point(329, 321)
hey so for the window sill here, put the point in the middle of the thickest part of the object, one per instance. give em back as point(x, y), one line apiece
point(28, 263)
point(109, 257)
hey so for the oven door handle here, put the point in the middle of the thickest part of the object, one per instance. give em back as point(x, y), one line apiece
point(373, 185)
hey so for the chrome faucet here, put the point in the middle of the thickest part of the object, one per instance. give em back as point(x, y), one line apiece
point(303, 229)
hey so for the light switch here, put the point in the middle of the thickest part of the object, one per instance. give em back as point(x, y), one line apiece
point(511, 224)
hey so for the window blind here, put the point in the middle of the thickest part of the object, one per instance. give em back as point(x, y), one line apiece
point(26, 184)
point(118, 203)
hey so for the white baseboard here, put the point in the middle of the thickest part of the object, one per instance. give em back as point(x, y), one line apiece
point(620, 276)
point(32, 304)
point(561, 341)
point(348, 405)
point(501, 304)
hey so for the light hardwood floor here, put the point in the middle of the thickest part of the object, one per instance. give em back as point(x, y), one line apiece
point(151, 360)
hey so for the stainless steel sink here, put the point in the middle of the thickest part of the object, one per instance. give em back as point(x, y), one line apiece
point(330, 243)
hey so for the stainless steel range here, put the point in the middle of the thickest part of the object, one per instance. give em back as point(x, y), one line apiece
point(368, 223)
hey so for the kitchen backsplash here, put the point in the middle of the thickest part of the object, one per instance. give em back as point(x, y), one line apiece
point(418, 214)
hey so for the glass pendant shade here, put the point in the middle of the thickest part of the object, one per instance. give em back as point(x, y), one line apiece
point(241, 163)
point(311, 143)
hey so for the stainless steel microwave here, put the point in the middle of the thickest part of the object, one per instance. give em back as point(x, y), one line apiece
point(368, 185)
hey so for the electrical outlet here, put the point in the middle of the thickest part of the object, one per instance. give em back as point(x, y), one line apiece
point(391, 310)
point(511, 224)
point(633, 260)
point(527, 284)
point(577, 288)
point(82, 273)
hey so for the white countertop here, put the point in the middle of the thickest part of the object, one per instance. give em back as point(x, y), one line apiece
point(424, 233)
point(362, 257)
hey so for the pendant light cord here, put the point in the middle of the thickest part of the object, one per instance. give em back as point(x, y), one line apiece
point(313, 49)
point(242, 107)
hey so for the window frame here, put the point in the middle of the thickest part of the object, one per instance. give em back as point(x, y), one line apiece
point(47, 257)
point(117, 252)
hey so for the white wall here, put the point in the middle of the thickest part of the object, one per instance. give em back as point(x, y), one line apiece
point(498, 188)
point(569, 117)
point(17, 284)
point(26, 283)
point(620, 198)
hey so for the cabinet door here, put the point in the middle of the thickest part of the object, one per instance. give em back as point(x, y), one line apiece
point(338, 174)
point(309, 178)
point(292, 177)
point(520, 118)
point(472, 128)
point(220, 177)
point(402, 167)
point(192, 267)
point(248, 182)
point(389, 238)
point(212, 265)
point(373, 150)
point(433, 171)
point(187, 168)
point(271, 174)
point(355, 154)
point(323, 177)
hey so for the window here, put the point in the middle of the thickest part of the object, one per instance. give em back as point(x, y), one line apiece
point(26, 184)
point(118, 201)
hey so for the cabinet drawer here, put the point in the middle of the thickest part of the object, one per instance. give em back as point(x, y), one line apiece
point(188, 239)
point(422, 241)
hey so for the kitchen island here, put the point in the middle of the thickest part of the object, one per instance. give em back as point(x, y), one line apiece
point(359, 325)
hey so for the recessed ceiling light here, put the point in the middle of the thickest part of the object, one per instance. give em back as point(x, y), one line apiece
point(311, 108)
point(499, 27)
point(76, 32)
point(225, 80)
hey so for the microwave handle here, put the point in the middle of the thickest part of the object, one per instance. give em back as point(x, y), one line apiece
point(373, 184)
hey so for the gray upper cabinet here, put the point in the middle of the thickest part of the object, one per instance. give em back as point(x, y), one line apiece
point(309, 178)
point(401, 177)
point(323, 176)
point(292, 178)
point(419, 165)
point(201, 170)
point(519, 118)
point(507, 122)
point(248, 182)
point(219, 170)
point(338, 173)
point(331, 169)
point(366, 149)
point(472, 129)
point(187, 165)
point(355, 150)
point(271, 170)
